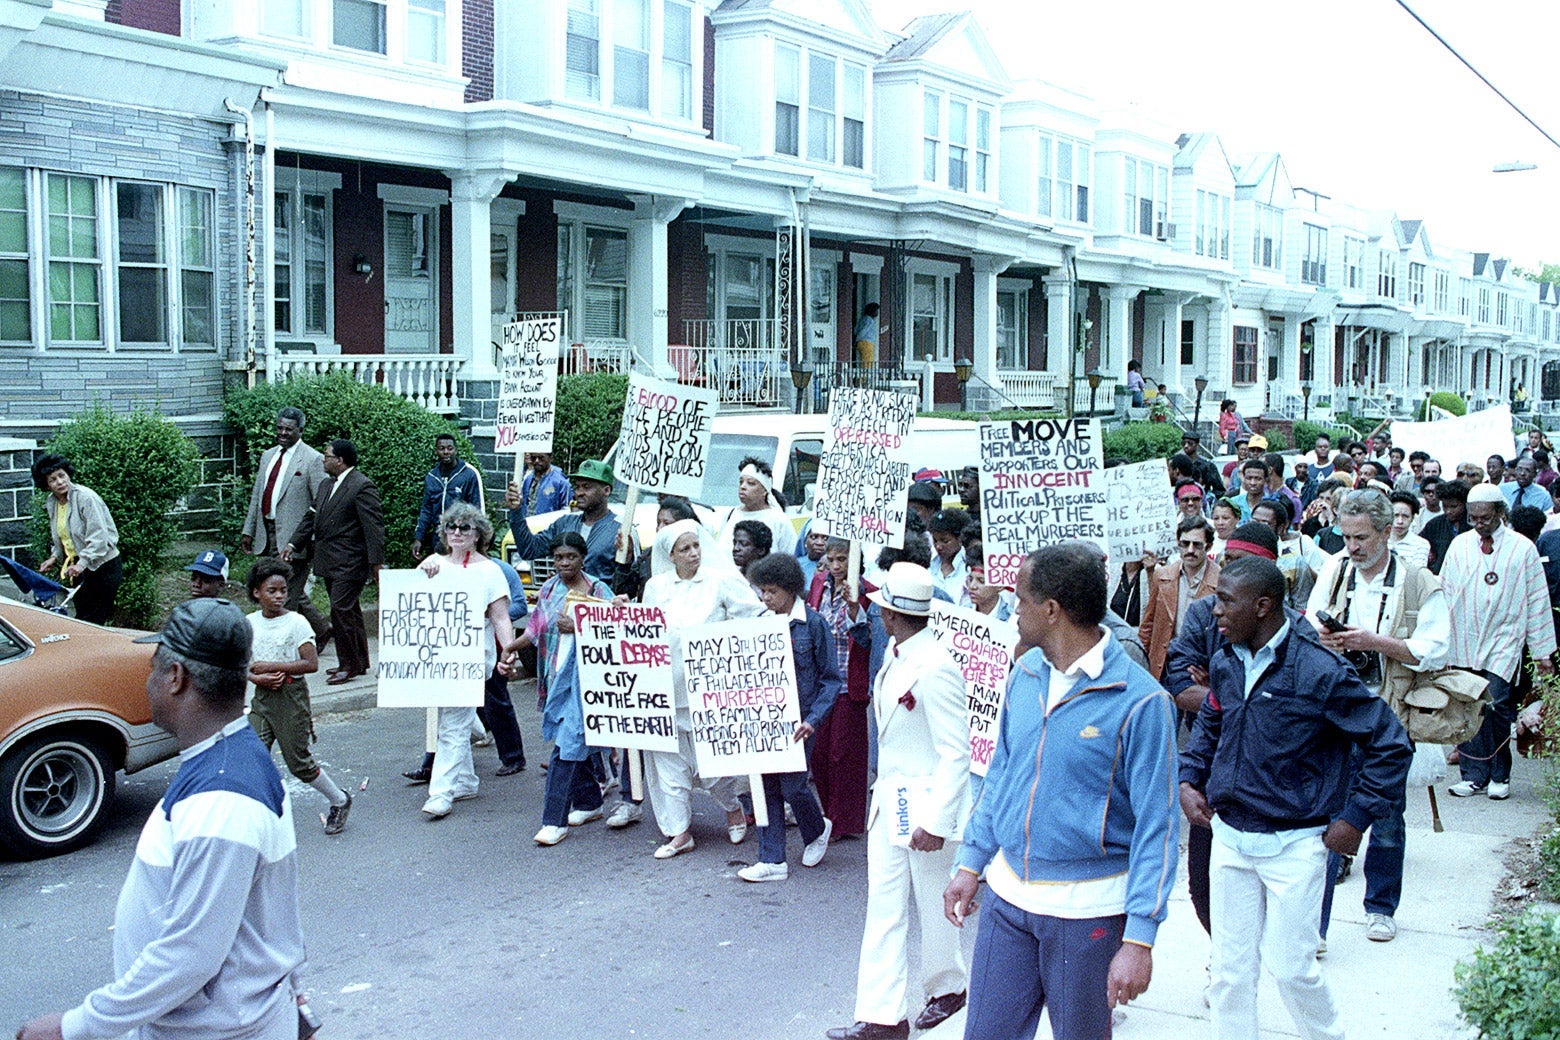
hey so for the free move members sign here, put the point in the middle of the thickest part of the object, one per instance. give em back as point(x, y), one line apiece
point(1040, 483)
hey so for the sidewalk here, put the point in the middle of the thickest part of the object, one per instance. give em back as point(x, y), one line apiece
point(1388, 990)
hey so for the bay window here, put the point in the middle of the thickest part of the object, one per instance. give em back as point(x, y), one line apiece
point(677, 60)
point(820, 108)
point(15, 276)
point(788, 100)
point(1267, 237)
point(358, 25)
point(958, 144)
point(631, 54)
point(1145, 197)
point(853, 126)
point(931, 135)
point(582, 51)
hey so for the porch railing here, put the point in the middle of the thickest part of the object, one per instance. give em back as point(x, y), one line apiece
point(741, 358)
point(1031, 389)
point(1104, 397)
point(423, 379)
point(831, 374)
point(582, 358)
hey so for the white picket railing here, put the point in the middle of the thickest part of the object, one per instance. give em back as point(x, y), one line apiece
point(741, 358)
point(1030, 389)
point(581, 358)
point(1104, 398)
point(423, 379)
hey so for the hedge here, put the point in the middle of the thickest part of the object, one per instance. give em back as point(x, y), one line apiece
point(1507, 991)
point(590, 414)
point(394, 438)
point(1306, 433)
point(142, 465)
point(1141, 441)
point(1445, 399)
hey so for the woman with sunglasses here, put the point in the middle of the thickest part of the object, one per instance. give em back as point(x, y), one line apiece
point(467, 534)
point(573, 795)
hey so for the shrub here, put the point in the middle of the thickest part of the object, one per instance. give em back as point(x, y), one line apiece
point(590, 413)
point(1507, 992)
point(1306, 433)
point(142, 465)
point(1276, 439)
point(1141, 441)
point(394, 439)
point(1447, 400)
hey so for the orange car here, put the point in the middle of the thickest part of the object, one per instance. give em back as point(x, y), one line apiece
point(73, 712)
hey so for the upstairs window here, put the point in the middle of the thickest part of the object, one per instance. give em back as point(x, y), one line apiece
point(1501, 308)
point(982, 148)
point(1313, 265)
point(1442, 293)
point(582, 51)
point(1386, 274)
point(631, 54)
point(1353, 262)
point(853, 126)
point(1213, 225)
point(1267, 237)
point(1484, 305)
point(1145, 198)
point(285, 18)
point(959, 145)
point(1416, 284)
point(359, 25)
point(425, 30)
point(788, 100)
point(931, 135)
point(677, 60)
point(821, 106)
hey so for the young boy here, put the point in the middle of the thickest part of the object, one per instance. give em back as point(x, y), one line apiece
point(208, 575)
point(283, 654)
point(778, 579)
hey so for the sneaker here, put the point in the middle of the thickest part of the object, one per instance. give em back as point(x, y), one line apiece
point(580, 817)
point(812, 854)
point(1465, 789)
point(764, 872)
point(1498, 791)
point(336, 819)
point(736, 832)
point(437, 808)
point(483, 739)
point(1380, 928)
point(625, 814)
point(551, 835)
point(1321, 948)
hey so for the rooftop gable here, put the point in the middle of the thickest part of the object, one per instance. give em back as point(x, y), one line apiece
point(847, 19)
point(1265, 179)
point(1204, 153)
point(954, 43)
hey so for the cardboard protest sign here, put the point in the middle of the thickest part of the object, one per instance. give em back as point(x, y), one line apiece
point(864, 473)
point(1467, 438)
point(528, 386)
point(664, 443)
point(1140, 514)
point(742, 697)
point(625, 668)
point(431, 643)
point(982, 647)
point(1039, 484)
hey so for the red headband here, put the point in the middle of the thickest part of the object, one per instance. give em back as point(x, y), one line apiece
point(1188, 489)
point(1250, 547)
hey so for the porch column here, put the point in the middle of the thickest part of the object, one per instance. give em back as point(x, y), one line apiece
point(647, 270)
point(1219, 367)
point(1323, 345)
point(987, 268)
point(1172, 379)
point(1117, 345)
point(471, 277)
point(1059, 343)
point(1289, 356)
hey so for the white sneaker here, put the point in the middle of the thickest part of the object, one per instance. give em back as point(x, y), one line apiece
point(1498, 791)
point(764, 872)
point(736, 832)
point(580, 817)
point(437, 808)
point(812, 854)
point(1465, 789)
point(1380, 928)
point(1321, 948)
point(551, 835)
point(790, 816)
point(625, 814)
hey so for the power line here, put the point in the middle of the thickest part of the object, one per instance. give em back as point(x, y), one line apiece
point(1482, 77)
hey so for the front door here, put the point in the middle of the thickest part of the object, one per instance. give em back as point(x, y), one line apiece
point(501, 251)
point(821, 334)
point(411, 280)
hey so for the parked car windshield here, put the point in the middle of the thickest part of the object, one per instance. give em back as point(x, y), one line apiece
point(727, 450)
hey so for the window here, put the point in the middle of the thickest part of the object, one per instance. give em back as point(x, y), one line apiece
point(605, 283)
point(1245, 373)
point(1012, 329)
point(820, 108)
point(303, 244)
point(1416, 284)
point(143, 270)
point(1072, 180)
point(425, 31)
point(1267, 237)
point(931, 132)
point(1188, 341)
point(1353, 262)
point(959, 145)
point(982, 148)
point(1484, 305)
point(788, 100)
point(1313, 267)
point(15, 293)
point(1386, 274)
point(1440, 299)
point(931, 304)
point(359, 24)
point(285, 18)
point(1213, 225)
point(677, 60)
point(1044, 170)
point(1464, 296)
point(75, 260)
point(197, 271)
point(582, 51)
point(1145, 198)
point(853, 143)
point(631, 54)
point(1548, 319)
point(1501, 308)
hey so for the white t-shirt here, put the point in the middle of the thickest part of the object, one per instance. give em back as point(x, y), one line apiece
point(278, 638)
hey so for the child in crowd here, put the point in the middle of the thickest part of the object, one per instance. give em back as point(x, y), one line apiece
point(279, 712)
point(840, 753)
point(1225, 518)
point(208, 575)
point(988, 599)
point(948, 565)
point(778, 578)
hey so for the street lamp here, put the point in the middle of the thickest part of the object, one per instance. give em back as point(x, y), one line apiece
point(801, 375)
point(1428, 416)
point(1305, 397)
point(1201, 383)
point(1094, 385)
point(964, 368)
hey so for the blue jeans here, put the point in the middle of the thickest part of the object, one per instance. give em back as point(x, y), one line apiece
point(498, 715)
point(1487, 757)
point(780, 788)
point(1382, 867)
point(570, 785)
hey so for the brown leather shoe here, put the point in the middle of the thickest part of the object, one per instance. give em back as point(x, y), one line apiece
point(871, 1031)
point(939, 1009)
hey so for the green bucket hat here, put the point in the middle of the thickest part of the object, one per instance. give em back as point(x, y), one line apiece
point(594, 469)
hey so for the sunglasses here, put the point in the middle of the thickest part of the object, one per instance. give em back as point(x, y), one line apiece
point(1192, 543)
point(462, 528)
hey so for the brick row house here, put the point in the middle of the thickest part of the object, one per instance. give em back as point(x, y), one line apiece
point(194, 191)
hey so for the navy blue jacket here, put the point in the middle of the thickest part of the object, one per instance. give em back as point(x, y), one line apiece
point(439, 492)
point(1279, 760)
point(600, 547)
point(817, 668)
point(1196, 644)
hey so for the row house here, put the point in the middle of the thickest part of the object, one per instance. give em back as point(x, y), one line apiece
point(200, 191)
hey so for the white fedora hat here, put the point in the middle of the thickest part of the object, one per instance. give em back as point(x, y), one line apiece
point(906, 590)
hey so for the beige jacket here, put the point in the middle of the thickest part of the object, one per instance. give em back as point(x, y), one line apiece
point(91, 527)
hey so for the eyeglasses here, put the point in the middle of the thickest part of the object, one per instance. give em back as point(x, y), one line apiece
point(462, 528)
point(1192, 543)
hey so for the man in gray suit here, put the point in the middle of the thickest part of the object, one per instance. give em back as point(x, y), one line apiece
point(289, 475)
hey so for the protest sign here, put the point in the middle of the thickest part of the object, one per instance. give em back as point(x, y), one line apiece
point(864, 473)
point(742, 697)
point(982, 647)
point(431, 643)
point(664, 443)
point(625, 676)
point(1466, 438)
point(1140, 515)
point(528, 387)
point(1039, 484)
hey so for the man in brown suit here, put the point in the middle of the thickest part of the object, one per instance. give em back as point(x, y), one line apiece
point(1175, 587)
point(289, 476)
point(347, 532)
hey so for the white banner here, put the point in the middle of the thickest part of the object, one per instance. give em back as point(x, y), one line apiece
point(1468, 438)
point(1140, 516)
point(625, 667)
point(864, 474)
point(1039, 484)
point(664, 443)
point(528, 386)
point(742, 697)
point(982, 647)
point(431, 649)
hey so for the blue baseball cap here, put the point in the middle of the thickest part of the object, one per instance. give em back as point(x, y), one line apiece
point(211, 563)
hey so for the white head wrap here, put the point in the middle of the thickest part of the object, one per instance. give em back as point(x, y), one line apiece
point(666, 537)
point(766, 480)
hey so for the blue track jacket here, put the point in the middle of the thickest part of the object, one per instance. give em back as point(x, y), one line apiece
point(1088, 791)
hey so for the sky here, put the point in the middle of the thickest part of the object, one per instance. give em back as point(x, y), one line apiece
point(1362, 103)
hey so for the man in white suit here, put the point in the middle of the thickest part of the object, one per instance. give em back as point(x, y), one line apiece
point(913, 826)
point(290, 473)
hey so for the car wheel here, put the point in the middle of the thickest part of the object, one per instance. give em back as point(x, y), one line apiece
point(57, 789)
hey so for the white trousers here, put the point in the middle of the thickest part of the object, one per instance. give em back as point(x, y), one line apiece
point(671, 777)
point(896, 877)
point(453, 773)
point(1266, 912)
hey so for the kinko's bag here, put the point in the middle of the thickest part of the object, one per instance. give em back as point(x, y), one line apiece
point(1445, 706)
